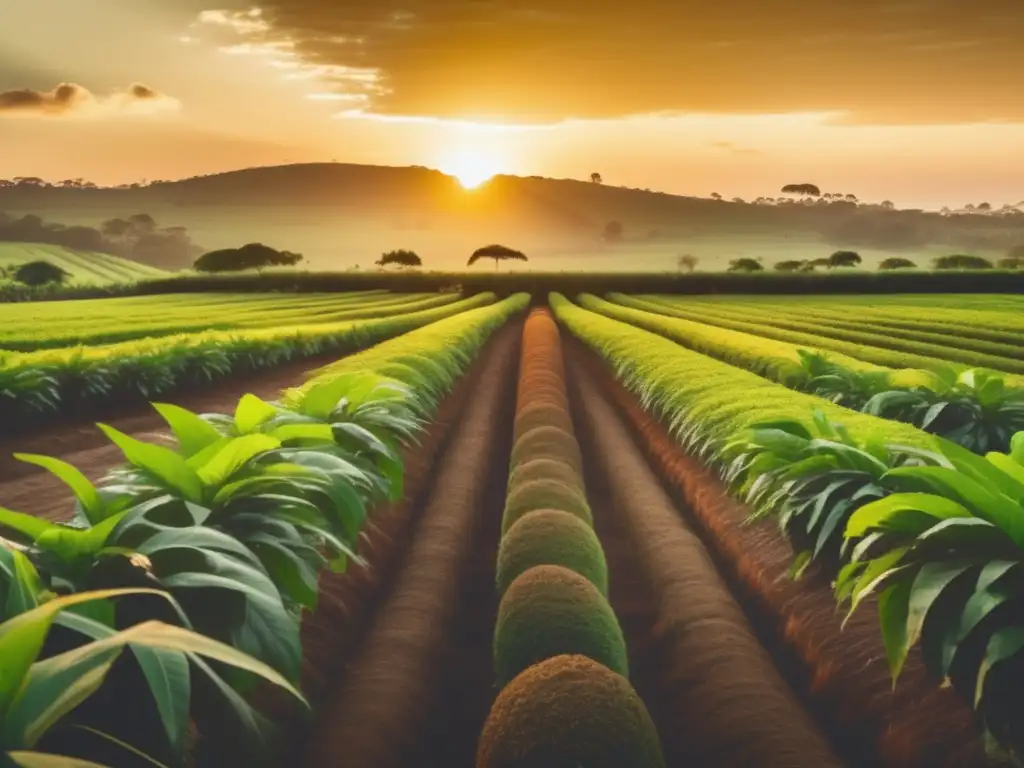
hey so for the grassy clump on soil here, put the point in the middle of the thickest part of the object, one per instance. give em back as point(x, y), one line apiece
point(569, 711)
point(548, 443)
point(545, 469)
point(551, 537)
point(542, 415)
point(544, 494)
point(549, 611)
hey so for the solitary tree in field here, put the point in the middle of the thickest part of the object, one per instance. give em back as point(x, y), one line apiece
point(715, 196)
point(400, 258)
point(40, 273)
point(802, 189)
point(844, 259)
point(896, 263)
point(688, 262)
point(745, 265)
point(496, 252)
point(596, 178)
point(613, 231)
point(251, 256)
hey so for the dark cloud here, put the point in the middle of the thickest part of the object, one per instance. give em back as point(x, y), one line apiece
point(61, 99)
point(70, 98)
point(877, 60)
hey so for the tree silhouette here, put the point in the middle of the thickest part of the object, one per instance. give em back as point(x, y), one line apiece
point(596, 178)
point(401, 258)
point(896, 263)
point(791, 265)
point(802, 189)
point(1011, 262)
point(688, 262)
point(613, 231)
point(961, 261)
point(250, 256)
point(844, 259)
point(715, 196)
point(40, 273)
point(496, 252)
point(745, 265)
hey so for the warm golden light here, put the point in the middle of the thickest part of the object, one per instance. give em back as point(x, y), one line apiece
point(472, 167)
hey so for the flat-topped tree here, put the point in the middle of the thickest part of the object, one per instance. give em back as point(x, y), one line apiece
point(496, 252)
point(399, 258)
point(37, 273)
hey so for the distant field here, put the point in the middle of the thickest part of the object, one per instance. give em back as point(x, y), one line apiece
point(85, 267)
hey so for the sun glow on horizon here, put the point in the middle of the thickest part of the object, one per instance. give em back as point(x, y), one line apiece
point(472, 167)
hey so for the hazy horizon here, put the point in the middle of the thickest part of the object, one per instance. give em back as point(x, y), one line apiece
point(912, 102)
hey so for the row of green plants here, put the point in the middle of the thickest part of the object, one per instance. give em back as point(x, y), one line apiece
point(26, 331)
point(932, 530)
point(38, 385)
point(974, 408)
point(949, 324)
point(560, 658)
point(940, 343)
point(180, 581)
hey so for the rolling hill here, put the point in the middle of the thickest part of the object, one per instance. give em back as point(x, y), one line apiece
point(85, 267)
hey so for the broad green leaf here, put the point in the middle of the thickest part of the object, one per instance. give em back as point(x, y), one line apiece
point(251, 413)
point(159, 461)
point(981, 470)
point(79, 484)
point(1008, 465)
point(26, 759)
point(319, 432)
point(876, 573)
point(233, 456)
point(70, 543)
point(27, 525)
point(167, 674)
point(1004, 644)
point(294, 576)
point(876, 513)
point(192, 431)
point(928, 584)
point(893, 612)
point(200, 538)
point(24, 586)
point(22, 637)
point(994, 588)
point(950, 484)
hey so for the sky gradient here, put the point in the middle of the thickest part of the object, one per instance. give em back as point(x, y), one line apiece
point(917, 101)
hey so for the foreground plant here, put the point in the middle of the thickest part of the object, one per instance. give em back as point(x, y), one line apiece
point(945, 554)
point(40, 697)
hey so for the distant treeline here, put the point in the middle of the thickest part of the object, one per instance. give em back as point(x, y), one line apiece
point(137, 237)
point(540, 284)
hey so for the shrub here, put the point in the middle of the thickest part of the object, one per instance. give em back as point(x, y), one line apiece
point(569, 711)
point(545, 469)
point(548, 611)
point(961, 261)
point(548, 443)
point(541, 414)
point(544, 494)
point(37, 273)
point(896, 263)
point(551, 537)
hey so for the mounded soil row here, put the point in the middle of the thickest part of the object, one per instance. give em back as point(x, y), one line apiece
point(714, 692)
point(347, 601)
point(383, 707)
point(841, 672)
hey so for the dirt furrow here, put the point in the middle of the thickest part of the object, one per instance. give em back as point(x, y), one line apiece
point(384, 712)
point(841, 672)
point(714, 692)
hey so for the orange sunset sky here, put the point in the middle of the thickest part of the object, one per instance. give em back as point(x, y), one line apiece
point(918, 101)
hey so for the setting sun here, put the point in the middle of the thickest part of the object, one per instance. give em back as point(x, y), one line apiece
point(472, 167)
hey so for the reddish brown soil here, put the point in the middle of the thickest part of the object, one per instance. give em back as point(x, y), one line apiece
point(347, 602)
point(29, 489)
point(386, 700)
point(841, 671)
point(713, 691)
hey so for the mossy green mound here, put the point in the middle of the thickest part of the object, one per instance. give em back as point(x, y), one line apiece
point(548, 611)
point(568, 712)
point(544, 494)
point(551, 537)
point(545, 469)
point(542, 415)
point(547, 443)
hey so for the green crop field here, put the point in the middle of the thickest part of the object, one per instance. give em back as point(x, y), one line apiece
point(595, 527)
point(84, 267)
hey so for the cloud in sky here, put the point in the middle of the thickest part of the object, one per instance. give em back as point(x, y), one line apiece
point(877, 61)
point(71, 99)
